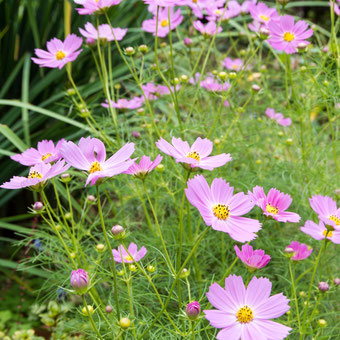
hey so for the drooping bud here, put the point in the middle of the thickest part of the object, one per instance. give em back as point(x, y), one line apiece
point(79, 281)
point(323, 286)
point(124, 323)
point(193, 310)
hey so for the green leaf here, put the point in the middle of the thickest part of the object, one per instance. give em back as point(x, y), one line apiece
point(15, 265)
point(12, 137)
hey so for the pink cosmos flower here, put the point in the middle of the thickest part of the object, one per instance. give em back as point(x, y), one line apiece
point(133, 103)
point(90, 155)
point(319, 232)
point(274, 204)
point(197, 6)
point(121, 253)
point(207, 30)
point(326, 209)
point(80, 280)
point(46, 152)
point(285, 35)
point(104, 33)
point(92, 6)
point(232, 64)
point(196, 156)
point(245, 6)
point(245, 313)
point(153, 91)
point(221, 209)
point(163, 22)
point(37, 176)
point(262, 13)
point(300, 250)
point(253, 259)
point(144, 167)
point(336, 6)
point(280, 119)
point(255, 26)
point(59, 53)
point(210, 84)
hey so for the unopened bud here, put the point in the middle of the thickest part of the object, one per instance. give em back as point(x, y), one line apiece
point(232, 75)
point(135, 134)
point(68, 215)
point(163, 44)
point(124, 323)
point(160, 168)
point(222, 75)
point(289, 141)
point(184, 78)
point(118, 232)
point(108, 309)
point(258, 161)
point(132, 268)
point(255, 88)
point(130, 51)
point(91, 198)
point(322, 323)
point(141, 111)
point(87, 310)
point(302, 293)
point(143, 49)
point(38, 206)
point(337, 281)
point(187, 42)
point(70, 92)
point(302, 47)
point(193, 310)
point(151, 268)
point(100, 247)
point(323, 286)
point(117, 86)
point(217, 141)
point(184, 273)
point(264, 33)
point(66, 178)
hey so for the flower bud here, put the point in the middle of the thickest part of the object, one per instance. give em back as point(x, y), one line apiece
point(284, 2)
point(264, 33)
point(337, 281)
point(243, 53)
point(163, 44)
point(214, 72)
point(258, 161)
point(143, 49)
point(118, 232)
point(100, 247)
point(193, 310)
point(187, 42)
point(323, 286)
point(302, 293)
point(66, 178)
point(79, 281)
point(176, 81)
point(70, 92)
point(68, 215)
point(217, 141)
point(184, 273)
point(255, 88)
point(141, 111)
point(222, 75)
point(130, 51)
point(108, 309)
point(91, 199)
point(289, 141)
point(124, 323)
point(89, 308)
point(58, 227)
point(160, 168)
point(322, 323)
point(151, 268)
point(38, 206)
point(303, 69)
point(84, 113)
point(132, 268)
point(121, 272)
point(232, 75)
point(184, 78)
point(302, 47)
point(135, 134)
point(289, 252)
point(280, 134)
point(325, 82)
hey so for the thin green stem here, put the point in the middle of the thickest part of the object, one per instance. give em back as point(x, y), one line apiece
point(294, 293)
point(93, 325)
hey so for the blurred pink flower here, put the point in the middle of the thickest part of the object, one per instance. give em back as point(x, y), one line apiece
point(232, 64)
point(121, 253)
point(144, 167)
point(300, 251)
point(207, 30)
point(46, 152)
point(58, 53)
point(90, 155)
point(133, 103)
point(210, 84)
point(262, 13)
point(153, 91)
point(195, 156)
point(221, 209)
point(326, 209)
point(319, 232)
point(104, 33)
point(245, 313)
point(285, 35)
point(37, 176)
point(336, 6)
point(280, 119)
point(92, 6)
point(163, 22)
point(274, 204)
point(253, 259)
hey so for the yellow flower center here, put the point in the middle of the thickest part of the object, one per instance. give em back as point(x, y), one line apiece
point(47, 155)
point(235, 67)
point(164, 23)
point(194, 155)
point(271, 209)
point(264, 17)
point(60, 55)
point(335, 219)
point(244, 315)
point(194, 1)
point(95, 166)
point(288, 36)
point(218, 12)
point(128, 258)
point(34, 174)
point(221, 211)
point(329, 234)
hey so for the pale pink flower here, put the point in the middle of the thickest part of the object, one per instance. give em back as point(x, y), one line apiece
point(274, 204)
point(37, 176)
point(210, 84)
point(221, 209)
point(253, 259)
point(46, 152)
point(280, 119)
point(207, 30)
point(336, 6)
point(93, 6)
point(121, 254)
point(262, 13)
point(133, 103)
point(59, 53)
point(90, 155)
point(319, 232)
point(286, 35)
point(104, 33)
point(300, 251)
point(233, 64)
point(326, 209)
point(195, 156)
point(144, 167)
point(245, 313)
point(163, 22)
